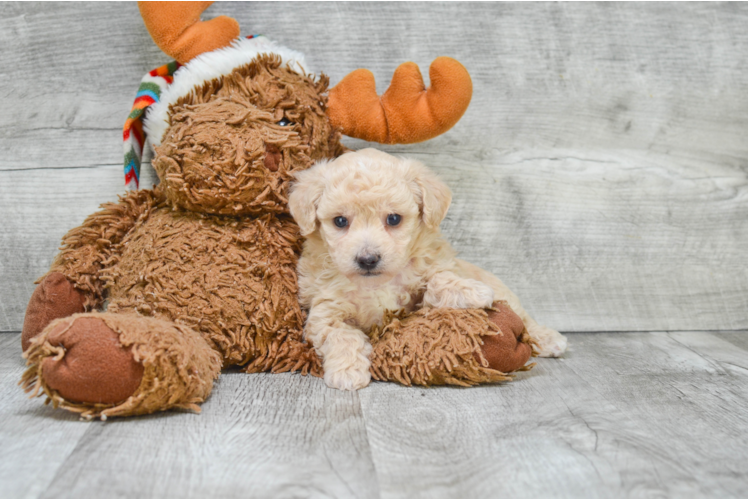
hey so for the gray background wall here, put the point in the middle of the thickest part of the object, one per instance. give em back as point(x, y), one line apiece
point(600, 171)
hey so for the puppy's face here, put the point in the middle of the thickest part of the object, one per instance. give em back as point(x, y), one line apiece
point(368, 208)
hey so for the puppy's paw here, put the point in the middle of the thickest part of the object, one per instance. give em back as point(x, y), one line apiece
point(346, 361)
point(349, 378)
point(482, 295)
point(449, 290)
point(550, 343)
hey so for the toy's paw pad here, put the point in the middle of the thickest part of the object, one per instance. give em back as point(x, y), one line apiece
point(505, 352)
point(350, 378)
point(550, 343)
point(95, 368)
point(53, 298)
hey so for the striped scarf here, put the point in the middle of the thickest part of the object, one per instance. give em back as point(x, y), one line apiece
point(149, 92)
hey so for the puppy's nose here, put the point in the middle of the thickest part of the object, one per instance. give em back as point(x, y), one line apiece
point(368, 261)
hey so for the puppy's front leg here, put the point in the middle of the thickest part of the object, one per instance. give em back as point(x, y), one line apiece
point(446, 289)
point(344, 349)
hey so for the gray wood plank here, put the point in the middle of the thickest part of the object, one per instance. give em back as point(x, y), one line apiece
point(734, 337)
point(590, 241)
point(271, 436)
point(623, 415)
point(35, 440)
point(69, 76)
point(592, 75)
point(625, 239)
point(258, 436)
point(600, 171)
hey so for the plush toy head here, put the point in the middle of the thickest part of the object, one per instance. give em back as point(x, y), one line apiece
point(238, 118)
point(233, 143)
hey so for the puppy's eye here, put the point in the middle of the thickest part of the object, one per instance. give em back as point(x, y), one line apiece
point(285, 122)
point(340, 221)
point(393, 220)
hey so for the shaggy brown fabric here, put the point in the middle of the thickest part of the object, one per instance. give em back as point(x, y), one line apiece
point(226, 151)
point(233, 280)
point(54, 297)
point(178, 366)
point(95, 368)
point(86, 248)
point(434, 347)
point(200, 272)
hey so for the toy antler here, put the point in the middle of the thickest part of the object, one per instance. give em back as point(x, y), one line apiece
point(407, 112)
point(177, 30)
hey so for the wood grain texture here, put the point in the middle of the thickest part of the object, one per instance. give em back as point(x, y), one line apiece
point(264, 435)
point(546, 75)
point(258, 436)
point(625, 240)
point(631, 415)
point(601, 169)
point(35, 440)
point(626, 415)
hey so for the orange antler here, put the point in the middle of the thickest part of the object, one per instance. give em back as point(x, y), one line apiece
point(407, 112)
point(177, 30)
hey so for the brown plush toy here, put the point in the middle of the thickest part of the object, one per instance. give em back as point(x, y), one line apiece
point(154, 294)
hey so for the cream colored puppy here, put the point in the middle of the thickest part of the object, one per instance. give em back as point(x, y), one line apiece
point(373, 243)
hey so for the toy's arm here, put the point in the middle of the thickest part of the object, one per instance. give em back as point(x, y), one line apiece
point(86, 248)
point(72, 284)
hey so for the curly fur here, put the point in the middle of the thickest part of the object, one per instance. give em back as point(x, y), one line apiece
point(416, 266)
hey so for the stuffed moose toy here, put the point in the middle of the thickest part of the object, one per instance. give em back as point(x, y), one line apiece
point(154, 294)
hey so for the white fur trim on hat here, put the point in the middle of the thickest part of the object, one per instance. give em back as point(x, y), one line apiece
point(207, 67)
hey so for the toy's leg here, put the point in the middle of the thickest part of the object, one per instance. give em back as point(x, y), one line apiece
point(104, 364)
point(289, 355)
point(451, 346)
point(54, 297)
point(550, 343)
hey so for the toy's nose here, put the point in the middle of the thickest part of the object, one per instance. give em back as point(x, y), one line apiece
point(368, 261)
point(272, 157)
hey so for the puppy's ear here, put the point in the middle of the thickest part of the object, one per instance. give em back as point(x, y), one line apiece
point(304, 197)
point(433, 196)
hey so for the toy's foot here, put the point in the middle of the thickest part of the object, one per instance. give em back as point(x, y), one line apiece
point(55, 297)
point(549, 343)
point(105, 364)
point(95, 367)
point(450, 346)
point(510, 350)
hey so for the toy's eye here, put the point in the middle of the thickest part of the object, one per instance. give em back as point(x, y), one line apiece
point(285, 122)
point(340, 221)
point(393, 219)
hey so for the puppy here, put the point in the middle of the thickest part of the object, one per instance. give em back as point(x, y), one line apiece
point(371, 223)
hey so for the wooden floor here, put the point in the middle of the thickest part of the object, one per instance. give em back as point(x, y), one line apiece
point(622, 415)
point(601, 171)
